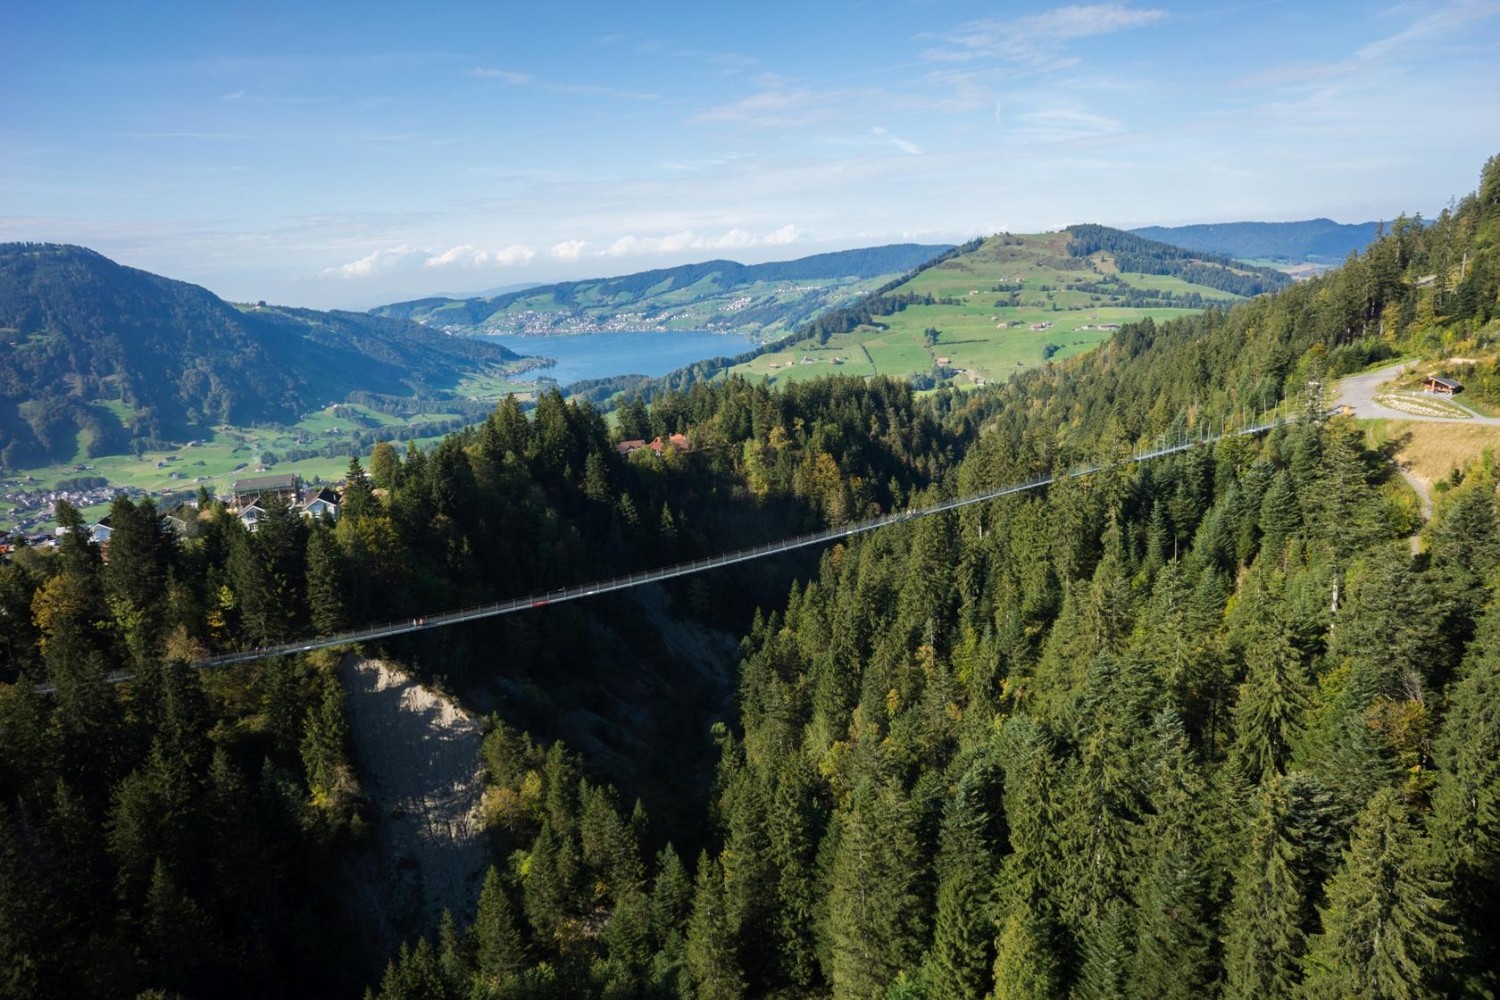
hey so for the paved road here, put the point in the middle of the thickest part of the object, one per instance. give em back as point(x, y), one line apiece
point(1358, 391)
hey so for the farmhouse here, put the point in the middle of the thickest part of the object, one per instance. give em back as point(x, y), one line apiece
point(1441, 386)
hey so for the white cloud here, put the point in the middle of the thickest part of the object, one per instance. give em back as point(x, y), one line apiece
point(1036, 38)
point(375, 262)
point(464, 254)
point(568, 249)
point(1444, 21)
point(516, 253)
point(1063, 123)
point(507, 75)
point(779, 107)
point(687, 239)
point(899, 143)
point(781, 237)
point(467, 255)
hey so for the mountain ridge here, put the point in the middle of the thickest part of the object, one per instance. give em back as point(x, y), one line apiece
point(78, 330)
point(1317, 241)
point(688, 296)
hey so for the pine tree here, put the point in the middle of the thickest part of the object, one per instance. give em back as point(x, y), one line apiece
point(326, 582)
point(325, 735)
point(793, 827)
point(358, 499)
point(711, 956)
point(1268, 714)
point(499, 950)
point(1026, 966)
point(874, 914)
point(1385, 929)
point(961, 960)
point(1466, 803)
point(1174, 956)
point(1264, 939)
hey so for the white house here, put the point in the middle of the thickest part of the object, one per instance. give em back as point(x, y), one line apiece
point(326, 503)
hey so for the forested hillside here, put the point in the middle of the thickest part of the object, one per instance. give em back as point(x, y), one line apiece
point(775, 297)
point(79, 332)
point(1321, 241)
point(1201, 726)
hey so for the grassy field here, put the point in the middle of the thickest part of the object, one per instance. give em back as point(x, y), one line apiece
point(223, 455)
point(983, 336)
point(1432, 451)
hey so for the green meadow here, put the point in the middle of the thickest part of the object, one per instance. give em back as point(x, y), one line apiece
point(986, 305)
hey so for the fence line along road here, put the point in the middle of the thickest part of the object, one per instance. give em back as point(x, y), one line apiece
point(423, 623)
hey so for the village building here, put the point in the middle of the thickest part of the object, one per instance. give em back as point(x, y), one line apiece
point(287, 487)
point(626, 447)
point(674, 442)
point(324, 504)
point(100, 532)
point(251, 516)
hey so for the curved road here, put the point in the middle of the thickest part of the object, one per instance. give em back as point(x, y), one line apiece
point(1358, 391)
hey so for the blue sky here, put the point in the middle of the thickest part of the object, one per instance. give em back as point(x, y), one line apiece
point(364, 153)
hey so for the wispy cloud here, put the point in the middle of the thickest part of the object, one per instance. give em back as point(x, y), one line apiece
point(1061, 124)
point(1038, 38)
point(182, 135)
point(596, 91)
point(1437, 24)
point(467, 255)
point(633, 246)
point(505, 75)
point(380, 260)
point(897, 141)
point(780, 107)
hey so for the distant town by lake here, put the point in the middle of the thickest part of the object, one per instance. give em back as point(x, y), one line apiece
point(604, 355)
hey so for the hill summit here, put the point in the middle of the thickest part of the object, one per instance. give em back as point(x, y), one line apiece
point(115, 353)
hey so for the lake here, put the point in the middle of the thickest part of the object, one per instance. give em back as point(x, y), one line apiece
point(603, 355)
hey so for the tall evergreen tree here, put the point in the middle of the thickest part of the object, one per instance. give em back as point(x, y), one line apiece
point(1386, 932)
point(499, 949)
point(712, 958)
point(874, 915)
point(1264, 937)
point(961, 960)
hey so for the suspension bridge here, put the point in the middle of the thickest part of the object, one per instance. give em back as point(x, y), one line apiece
point(542, 599)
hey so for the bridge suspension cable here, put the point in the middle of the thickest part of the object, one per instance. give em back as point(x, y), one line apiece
point(543, 599)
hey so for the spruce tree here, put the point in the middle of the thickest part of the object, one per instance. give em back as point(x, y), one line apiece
point(1272, 700)
point(1386, 932)
point(874, 916)
point(1173, 958)
point(499, 949)
point(1264, 938)
point(712, 959)
point(961, 960)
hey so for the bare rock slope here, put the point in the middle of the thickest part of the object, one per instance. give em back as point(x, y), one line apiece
point(418, 755)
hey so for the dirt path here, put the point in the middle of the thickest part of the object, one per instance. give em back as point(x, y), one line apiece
point(1358, 392)
point(418, 759)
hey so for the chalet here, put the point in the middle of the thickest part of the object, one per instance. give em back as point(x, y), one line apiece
point(180, 519)
point(252, 515)
point(626, 447)
point(675, 442)
point(325, 504)
point(1441, 386)
point(942, 361)
point(101, 531)
point(263, 487)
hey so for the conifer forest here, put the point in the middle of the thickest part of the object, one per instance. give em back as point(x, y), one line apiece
point(1225, 723)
